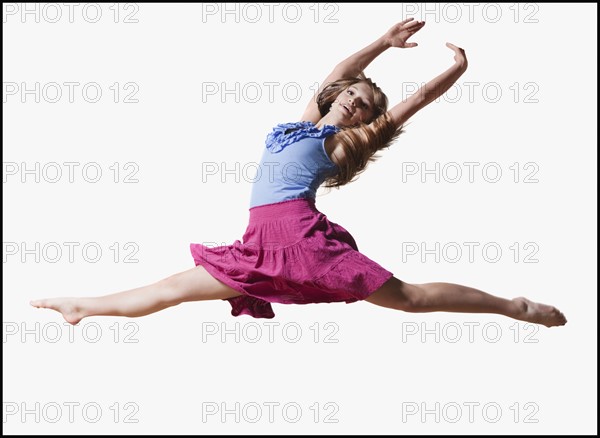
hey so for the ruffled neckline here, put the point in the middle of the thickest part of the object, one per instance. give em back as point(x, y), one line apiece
point(277, 140)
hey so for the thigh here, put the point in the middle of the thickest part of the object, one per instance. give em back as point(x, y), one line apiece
point(197, 284)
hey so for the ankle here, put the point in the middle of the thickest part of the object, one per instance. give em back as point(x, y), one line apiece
point(82, 307)
point(519, 307)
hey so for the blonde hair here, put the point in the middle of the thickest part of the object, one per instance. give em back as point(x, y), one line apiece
point(361, 142)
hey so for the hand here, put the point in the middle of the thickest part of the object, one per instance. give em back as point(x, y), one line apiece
point(401, 32)
point(459, 55)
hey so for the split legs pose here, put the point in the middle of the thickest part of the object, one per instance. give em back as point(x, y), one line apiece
point(197, 284)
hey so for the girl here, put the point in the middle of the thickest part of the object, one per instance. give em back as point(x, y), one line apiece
point(291, 253)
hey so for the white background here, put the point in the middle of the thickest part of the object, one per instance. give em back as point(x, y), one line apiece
point(376, 370)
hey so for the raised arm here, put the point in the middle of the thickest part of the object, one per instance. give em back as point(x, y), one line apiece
point(350, 67)
point(431, 90)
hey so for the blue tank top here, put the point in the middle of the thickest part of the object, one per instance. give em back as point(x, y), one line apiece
point(294, 163)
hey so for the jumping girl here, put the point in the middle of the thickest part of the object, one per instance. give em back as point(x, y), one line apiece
point(291, 253)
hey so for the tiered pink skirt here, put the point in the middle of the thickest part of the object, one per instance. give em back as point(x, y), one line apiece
point(291, 254)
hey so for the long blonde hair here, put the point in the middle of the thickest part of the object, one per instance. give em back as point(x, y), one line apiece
point(359, 143)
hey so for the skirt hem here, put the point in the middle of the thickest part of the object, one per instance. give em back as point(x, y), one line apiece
point(239, 304)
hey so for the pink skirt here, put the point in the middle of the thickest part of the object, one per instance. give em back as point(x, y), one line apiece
point(291, 254)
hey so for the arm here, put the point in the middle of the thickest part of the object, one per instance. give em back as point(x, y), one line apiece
point(431, 90)
point(350, 67)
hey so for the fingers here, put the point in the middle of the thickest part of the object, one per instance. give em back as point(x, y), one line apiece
point(453, 47)
point(409, 24)
point(415, 23)
point(414, 26)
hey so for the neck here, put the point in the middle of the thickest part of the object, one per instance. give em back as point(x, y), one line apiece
point(327, 119)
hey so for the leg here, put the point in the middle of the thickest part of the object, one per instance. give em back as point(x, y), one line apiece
point(195, 284)
point(448, 297)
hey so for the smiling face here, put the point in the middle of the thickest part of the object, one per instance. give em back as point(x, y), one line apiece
point(354, 104)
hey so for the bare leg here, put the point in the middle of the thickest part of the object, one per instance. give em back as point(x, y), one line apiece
point(195, 284)
point(448, 297)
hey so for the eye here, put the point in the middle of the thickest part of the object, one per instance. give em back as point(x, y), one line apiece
point(350, 92)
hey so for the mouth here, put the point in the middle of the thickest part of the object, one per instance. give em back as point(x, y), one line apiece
point(347, 109)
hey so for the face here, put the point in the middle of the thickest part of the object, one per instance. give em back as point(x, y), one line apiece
point(353, 105)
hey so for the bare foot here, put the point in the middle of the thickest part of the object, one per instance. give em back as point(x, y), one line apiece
point(67, 306)
point(539, 313)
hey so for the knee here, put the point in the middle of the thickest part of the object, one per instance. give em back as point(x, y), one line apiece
point(417, 300)
point(399, 295)
point(171, 290)
point(413, 298)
